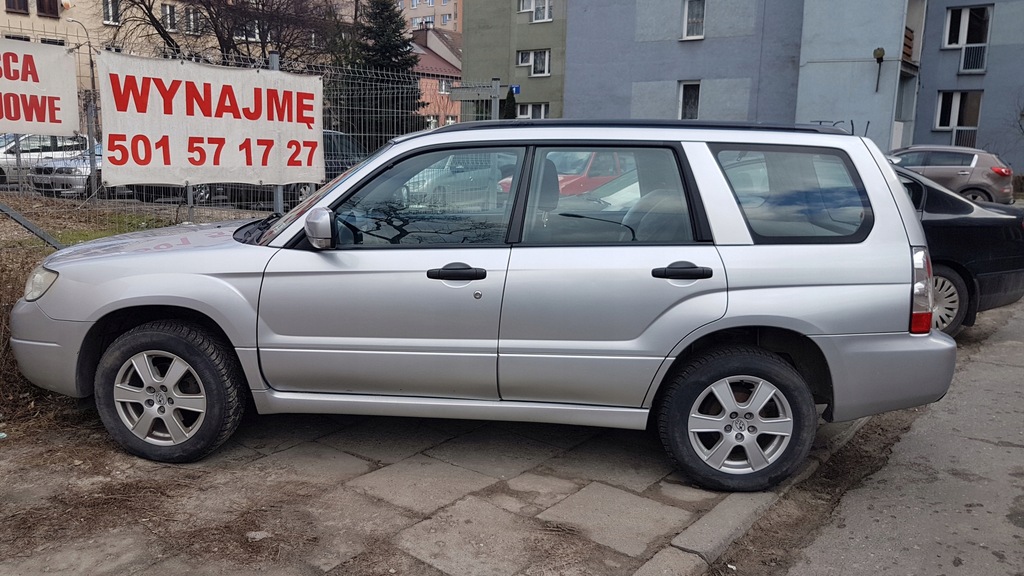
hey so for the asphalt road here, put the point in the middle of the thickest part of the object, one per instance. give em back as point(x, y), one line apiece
point(950, 500)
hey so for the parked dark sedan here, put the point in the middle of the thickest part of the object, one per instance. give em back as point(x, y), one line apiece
point(977, 251)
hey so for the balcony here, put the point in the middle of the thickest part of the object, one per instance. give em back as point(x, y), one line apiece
point(965, 136)
point(973, 58)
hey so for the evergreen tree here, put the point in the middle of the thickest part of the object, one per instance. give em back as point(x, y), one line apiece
point(509, 110)
point(382, 41)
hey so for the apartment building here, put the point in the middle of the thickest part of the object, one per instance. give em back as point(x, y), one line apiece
point(437, 14)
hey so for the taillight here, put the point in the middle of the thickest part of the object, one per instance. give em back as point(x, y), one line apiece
point(1002, 171)
point(921, 293)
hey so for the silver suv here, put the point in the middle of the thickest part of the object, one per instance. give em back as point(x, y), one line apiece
point(741, 276)
point(970, 172)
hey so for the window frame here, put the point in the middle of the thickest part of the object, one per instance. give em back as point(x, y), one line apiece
point(547, 63)
point(955, 105)
point(193, 18)
point(964, 24)
point(544, 107)
point(683, 85)
point(686, 20)
point(17, 6)
point(547, 9)
point(112, 12)
point(169, 16)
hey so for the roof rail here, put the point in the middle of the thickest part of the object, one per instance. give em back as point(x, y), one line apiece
point(693, 124)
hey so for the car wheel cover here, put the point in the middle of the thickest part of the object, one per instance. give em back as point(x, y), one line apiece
point(740, 424)
point(160, 398)
point(947, 302)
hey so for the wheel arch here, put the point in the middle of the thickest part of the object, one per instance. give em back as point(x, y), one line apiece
point(115, 323)
point(795, 348)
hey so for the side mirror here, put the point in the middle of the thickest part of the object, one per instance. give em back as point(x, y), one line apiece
point(320, 228)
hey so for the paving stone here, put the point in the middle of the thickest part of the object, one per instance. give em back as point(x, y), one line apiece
point(494, 452)
point(275, 432)
point(472, 537)
point(616, 518)
point(421, 483)
point(230, 456)
point(634, 466)
point(713, 532)
point(386, 440)
point(347, 521)
point(673, 562)
point(312, 462)
point(120, 551)
point(684, 493)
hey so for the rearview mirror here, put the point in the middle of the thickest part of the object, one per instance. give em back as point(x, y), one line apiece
point(320, 228)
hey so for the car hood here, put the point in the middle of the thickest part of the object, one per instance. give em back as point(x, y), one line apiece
point(77, 161)
point(181, 238)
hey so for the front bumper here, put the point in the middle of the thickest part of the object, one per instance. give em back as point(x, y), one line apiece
point(59, 184)
point(875, 373)
point(47, 349)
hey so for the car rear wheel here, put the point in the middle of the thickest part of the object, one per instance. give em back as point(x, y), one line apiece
point(951, 299)
point(169, 391)
point(737, 418)
point(976, 195)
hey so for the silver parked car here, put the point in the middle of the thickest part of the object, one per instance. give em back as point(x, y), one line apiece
point(60, 177)
point(973, 173)
point(742, 276)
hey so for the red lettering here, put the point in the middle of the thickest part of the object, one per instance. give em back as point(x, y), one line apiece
point(12, 108)
point(227, 104)
point(167, 93)
point(24, 73)
point(130, 92)
point(194, 99)
point(255, 111)
point(304, 112)
point(279, 105)
point(33, 107)
point(28, 71)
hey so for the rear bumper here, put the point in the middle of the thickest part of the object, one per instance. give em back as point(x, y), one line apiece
point(875, 373)
point(47, 349)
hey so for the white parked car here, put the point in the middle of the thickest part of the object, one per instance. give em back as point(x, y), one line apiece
point(31, 149)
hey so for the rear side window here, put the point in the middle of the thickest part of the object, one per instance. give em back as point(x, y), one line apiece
point(796, 195)
point(950, 159)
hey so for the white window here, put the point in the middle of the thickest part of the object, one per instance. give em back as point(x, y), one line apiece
point(428, 21)
point(111, 11)
point(444, 2)
point(193, 21)
point(413, 4)
point(430, 2)
point(542, 11)
point(168, 17)
point(432, 121)
point(958, 109)
point(539, 61)
point(966, 26)
point(444, 86)
point(693, 19)
point(536, 111)
point(415, 23)
point(446, 18)
point(401, 4)
point(526, 5)
point(689, 100)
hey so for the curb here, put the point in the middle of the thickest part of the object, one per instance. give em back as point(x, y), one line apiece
point(696, 548)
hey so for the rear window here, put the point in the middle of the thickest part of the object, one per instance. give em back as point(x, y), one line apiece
point(796, 195)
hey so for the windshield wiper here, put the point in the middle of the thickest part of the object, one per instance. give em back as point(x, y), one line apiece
point(259, 227)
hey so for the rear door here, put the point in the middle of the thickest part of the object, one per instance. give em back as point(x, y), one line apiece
point(598, 293)
point(950, 168)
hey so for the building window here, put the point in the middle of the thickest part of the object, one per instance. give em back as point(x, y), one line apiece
point(430, 2)
point(413, 4)
point(18, 6)
point(958, 112)
point(249, 32)
point(52, 41)
point(17, 37)
point(444, 86)
point(693, 19)
point(542, 11)
point(47, 8)
point(431, 121)
point(428, 22)
point(168, 16)
point(446, 18)
point(111, 11)
point(113, 47)
point(539, 61)
point(193, 21)
point(689, 100)
point(526, 5)
point(966, 26)
point(536, 111)
point(444, 2)
point(415, 23)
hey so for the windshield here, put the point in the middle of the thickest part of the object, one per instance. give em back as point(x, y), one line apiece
point(301, 208)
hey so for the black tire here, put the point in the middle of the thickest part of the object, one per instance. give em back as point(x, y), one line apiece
point(951, 300)
point(976, 195)
point(751, 460)
point(173, 422)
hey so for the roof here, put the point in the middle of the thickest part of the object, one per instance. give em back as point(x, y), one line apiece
point(554, 123)
point(431, 63)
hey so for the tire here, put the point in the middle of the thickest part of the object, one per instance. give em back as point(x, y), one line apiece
point(976, 195)
point(179, 421)
point(707, 424)
point(951, 300)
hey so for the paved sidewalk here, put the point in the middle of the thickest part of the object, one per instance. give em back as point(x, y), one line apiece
point(301, 494)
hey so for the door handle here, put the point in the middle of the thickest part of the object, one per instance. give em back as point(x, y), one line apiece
point(457, 271)
point(964, 173)
point(682, 271)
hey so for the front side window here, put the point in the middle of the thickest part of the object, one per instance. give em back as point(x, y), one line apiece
point(693, 19)
point(606, 195)
point(446, 198)
point(967, 26)
point(689, 100)
point(111, 11)
point(796, 195)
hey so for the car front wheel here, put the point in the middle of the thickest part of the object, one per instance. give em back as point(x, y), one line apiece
point(169, 391)
point(737, 418)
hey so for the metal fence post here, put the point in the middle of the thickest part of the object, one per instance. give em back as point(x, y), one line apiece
point(495, 96)
point(275, 64)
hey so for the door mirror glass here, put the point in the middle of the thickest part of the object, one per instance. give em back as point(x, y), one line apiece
point(320, 228)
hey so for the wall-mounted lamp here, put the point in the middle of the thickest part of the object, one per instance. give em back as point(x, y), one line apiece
point(879, 55)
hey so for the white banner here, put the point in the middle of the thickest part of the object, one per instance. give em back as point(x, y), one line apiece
point(178, 122)
point(38, 89)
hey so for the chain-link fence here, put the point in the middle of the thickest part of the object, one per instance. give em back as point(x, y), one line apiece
point(48, 179)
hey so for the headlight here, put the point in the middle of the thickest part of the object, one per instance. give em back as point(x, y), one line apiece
point(39, 281)
point(69, 170)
